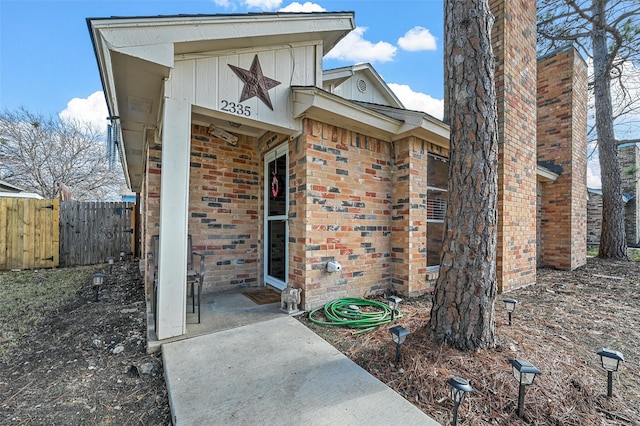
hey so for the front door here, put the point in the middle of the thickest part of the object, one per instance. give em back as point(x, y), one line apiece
point(276, 226)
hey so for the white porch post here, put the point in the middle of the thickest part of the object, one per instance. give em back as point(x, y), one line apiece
point(174, 199)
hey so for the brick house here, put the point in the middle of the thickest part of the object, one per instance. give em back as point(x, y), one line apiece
point(629, 157)
point(233, 133)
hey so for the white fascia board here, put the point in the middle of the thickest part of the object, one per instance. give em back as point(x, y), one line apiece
point(416, 123)
point(147, 31)
point(315, 103)
point(337, 76)
point(106, 70)
point(103, 55)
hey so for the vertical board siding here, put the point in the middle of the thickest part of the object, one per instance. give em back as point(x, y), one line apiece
point(29, 233)
point(90, 232)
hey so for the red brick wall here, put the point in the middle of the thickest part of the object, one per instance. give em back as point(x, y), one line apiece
point(562, 127)
point(151, 202)
point(224, 207)
point(409, 208)
point(343, 206)
point(514, 44)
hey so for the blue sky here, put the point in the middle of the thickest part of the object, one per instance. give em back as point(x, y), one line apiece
point(47, 63)
point(47, 60)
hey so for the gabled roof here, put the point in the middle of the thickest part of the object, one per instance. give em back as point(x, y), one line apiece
point(380, 121)
point(135, 56)
point(336, 77)
point(8, 187)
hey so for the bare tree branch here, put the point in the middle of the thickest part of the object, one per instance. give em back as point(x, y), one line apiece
point(38, 153)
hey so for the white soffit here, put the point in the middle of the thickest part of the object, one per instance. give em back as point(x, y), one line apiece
point(161, 54)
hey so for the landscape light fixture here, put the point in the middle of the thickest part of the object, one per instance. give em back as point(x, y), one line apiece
point(459, 389)
point(394, 301)
point(122, 255)
point(525, 374)
point(399, 335)
point(97, 282)
point(111, 261)
point(510, 306)
point(610, 361)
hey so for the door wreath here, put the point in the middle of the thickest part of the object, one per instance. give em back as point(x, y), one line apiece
point(275, 185)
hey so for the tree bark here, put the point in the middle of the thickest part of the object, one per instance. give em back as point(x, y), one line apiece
point(463, 303)
point(612, 236)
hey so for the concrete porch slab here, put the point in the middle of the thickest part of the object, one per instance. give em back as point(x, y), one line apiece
point(276, 372)
point(220, 311)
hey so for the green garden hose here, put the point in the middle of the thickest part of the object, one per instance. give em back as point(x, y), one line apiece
point(364, 315)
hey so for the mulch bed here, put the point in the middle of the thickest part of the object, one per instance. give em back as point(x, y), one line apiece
point(558, 325)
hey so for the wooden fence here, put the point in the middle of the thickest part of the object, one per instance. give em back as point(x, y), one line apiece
point(90, 232)
point(50, 233)
point(29, 233)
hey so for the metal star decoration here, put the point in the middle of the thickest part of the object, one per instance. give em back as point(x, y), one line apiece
point(255, 83)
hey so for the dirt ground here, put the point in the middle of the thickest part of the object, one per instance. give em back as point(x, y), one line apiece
point(85, 363)
point(75, 361)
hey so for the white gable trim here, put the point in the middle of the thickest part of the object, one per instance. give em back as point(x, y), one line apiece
point(385, 123)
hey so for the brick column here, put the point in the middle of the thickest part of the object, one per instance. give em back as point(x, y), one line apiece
point(409, 228)
point(562, 147)
point(151, 207)
point(514, 44)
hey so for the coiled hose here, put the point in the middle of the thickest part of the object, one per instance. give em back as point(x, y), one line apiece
point(361, 314)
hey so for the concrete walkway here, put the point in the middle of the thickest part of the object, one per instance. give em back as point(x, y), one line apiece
point(276, 372)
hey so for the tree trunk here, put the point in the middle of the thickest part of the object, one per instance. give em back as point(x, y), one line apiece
point(463, 303)
point(612, 236)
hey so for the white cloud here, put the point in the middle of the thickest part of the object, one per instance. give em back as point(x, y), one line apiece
point(93, 110)
point(417, 39)
point(418, 101)
point(227, 4)
point(306, 7)
point(263, 4)
point(593, 174)
point(355, 48)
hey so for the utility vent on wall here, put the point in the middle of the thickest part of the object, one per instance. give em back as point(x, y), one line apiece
point(362, 85)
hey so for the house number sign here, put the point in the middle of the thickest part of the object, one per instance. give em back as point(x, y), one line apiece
point(234, 108)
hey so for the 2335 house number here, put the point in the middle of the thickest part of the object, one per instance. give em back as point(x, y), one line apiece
point(234, 108)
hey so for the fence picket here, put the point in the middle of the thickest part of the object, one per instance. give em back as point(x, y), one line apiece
point(27, 227)
point(48, 233)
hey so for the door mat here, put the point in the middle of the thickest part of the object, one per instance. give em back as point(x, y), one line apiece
point(263, 296)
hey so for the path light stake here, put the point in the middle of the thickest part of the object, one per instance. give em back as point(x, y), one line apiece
point(525, 374)
point(610, 361)
point(97, 282)
point(111, 261)
point(459, 389)
point(394, 301)
point(399, 335)
point(510, 305)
